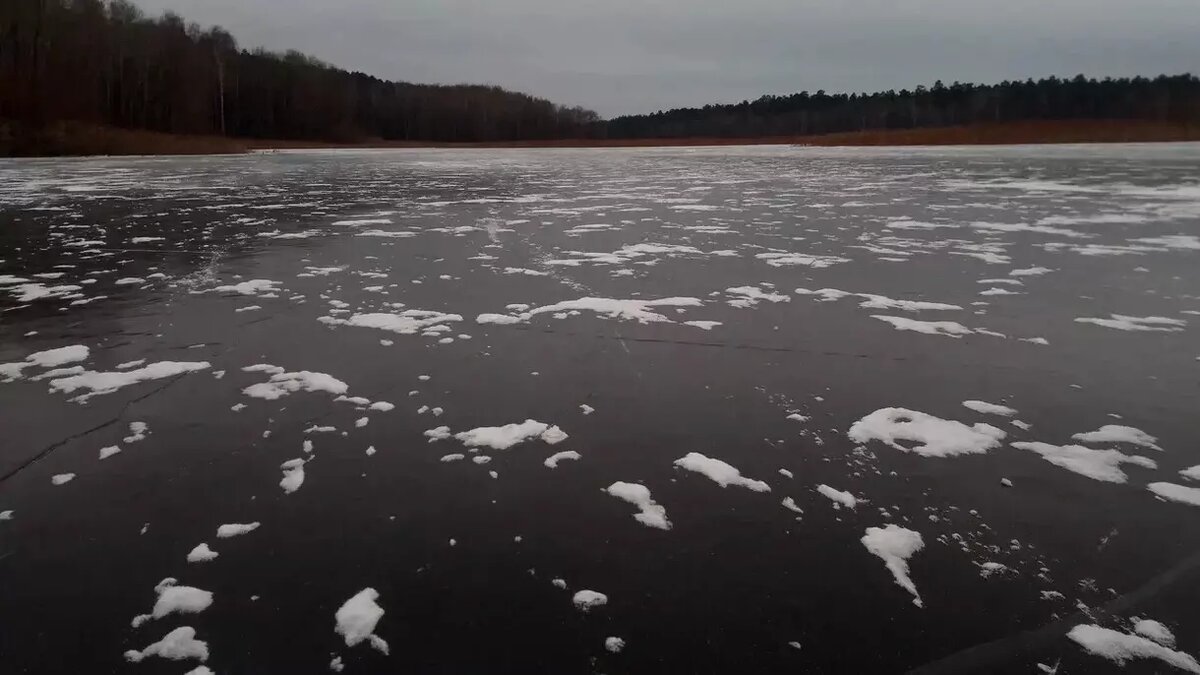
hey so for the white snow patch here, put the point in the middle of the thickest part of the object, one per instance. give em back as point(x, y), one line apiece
point(1121, 647)
point(614, 644)
point(202, 553)
point(931, 436)
point(293, 475)
point(1155, 631)
point(502, 438)
point(236, 529)
point(990, 408)
point(179, 644)
point(1136, 323)
point(895, 545)
point(251, 287)
point(173, 598)
point(652, 513)
point(553, 460)
point(282, 384)
point(1116, 433)
point(948, 328)
point(109, 451)
point(1176, 493)
point(62, 478)
point(1102, 465)
point(408, 322)
point(98, 383)
point(838, 497)
point(719, 472)
point(357, 617)
point(585, 600)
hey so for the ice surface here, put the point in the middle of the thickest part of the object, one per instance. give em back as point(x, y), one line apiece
point(929, 436)
point(357, 618)
point(719, 472)
point(895, 545)
point(652, 514)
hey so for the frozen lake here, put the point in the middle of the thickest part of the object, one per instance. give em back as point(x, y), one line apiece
point(719, 410)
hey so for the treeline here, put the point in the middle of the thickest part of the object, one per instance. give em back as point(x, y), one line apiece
point(106, 63)
point(1165, 98)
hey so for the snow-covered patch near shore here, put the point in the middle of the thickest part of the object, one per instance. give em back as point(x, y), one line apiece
point(357, 618)
point(1121, 647)
point(894, 545)
point(719, 472)
point(1102, 465)
point(652, 513)
point(929, 436)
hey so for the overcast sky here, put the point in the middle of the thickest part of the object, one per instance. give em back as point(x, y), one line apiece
point(629, 56)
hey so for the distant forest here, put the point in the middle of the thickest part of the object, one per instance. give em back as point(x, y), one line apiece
point(105, 63)
point(1162, 99)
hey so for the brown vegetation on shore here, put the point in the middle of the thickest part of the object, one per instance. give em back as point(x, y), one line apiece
point(71, 138)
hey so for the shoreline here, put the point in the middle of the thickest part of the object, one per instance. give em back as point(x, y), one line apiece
point(73, 139)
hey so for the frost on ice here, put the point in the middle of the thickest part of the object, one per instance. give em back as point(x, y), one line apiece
point(652, 514)
point(173, 598)
point(929, 436)
point(179, 644)
point(895, 545)
point(1121, 647)
point(719, 472)
point(1102, 465)
point(357, 617)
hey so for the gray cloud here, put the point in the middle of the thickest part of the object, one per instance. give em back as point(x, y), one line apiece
point(620, 56)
